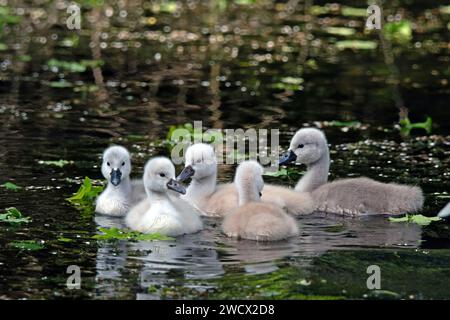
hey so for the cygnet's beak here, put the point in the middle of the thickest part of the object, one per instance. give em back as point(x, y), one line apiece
point(176, 186)
point(287, 158)
point(186, 173)
point(116, 175)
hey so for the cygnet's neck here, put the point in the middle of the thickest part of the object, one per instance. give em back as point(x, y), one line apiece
point(316, 174)
point(201, 188)
point(156, 196)
point(124, 187)
point(247, 192)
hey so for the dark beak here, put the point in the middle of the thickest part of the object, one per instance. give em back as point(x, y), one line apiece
point(116, 175)
point(176, 186)
point(186, 173)
point(287, 158)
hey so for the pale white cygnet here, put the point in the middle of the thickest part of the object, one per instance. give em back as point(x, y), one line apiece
point(163, 213)
point(121, 192)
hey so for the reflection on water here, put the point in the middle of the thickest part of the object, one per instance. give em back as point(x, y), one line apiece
point(207, 254)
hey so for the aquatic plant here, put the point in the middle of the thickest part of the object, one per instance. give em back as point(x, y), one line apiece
point(30, 245)
point(86, 193)
point(14, 216)
point(398, 32)
point(58, 163)
point(11, 186)
point(416, 218)
point(356, 44)
point(125, 234)
point(406, 126)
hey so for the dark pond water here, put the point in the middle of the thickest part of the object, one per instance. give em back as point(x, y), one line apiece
point(258, 65)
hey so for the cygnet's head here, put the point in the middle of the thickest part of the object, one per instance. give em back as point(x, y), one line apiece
point(116, 164)
point(307, 146)
point(159, 176)
point(249, 181)
point(200, 162)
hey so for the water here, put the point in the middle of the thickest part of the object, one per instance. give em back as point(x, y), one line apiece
point(225, 70)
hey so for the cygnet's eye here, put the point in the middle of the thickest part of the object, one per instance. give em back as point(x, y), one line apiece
point(123, 163)
point(108, 164)
point(260, 194)
point(162, 174)
point(301, 145)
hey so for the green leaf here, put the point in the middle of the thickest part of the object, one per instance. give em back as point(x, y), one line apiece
point(61, 84)
point(400, 32)
point(30, 245)
point(59, 163)
point(14, 216)
point(86, 193)
point(319, 10)
point(340, 31)
point(356, 44)
point(3, 47)
point(406, 126)
point(25, 58)
point(354, 12)
point(70, 66)
point(124, 234)
point(351, 124)
point(280, 173)
point(418, 219)
point(11, 186)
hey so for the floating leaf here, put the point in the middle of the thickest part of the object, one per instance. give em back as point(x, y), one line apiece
point(289, 83)
point(356, 44)
point(340, 31)
point(406, 126)
point(11, 186)
point(354, 12)
point(59, 163)
point(123, 234)
point(14, 216)
point(61, 84)
point(25, 58)
point(417, 218)
point(400, 32)
point(244, 2)
point(70, 66)
point(280, 173)
point(318, 10)
point(350, 124)
point(86, 193)
point(30, 245)
point(70, 42)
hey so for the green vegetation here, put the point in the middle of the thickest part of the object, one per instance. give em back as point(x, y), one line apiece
point(86, 193)
point(29, 245)
point(415, 218)
point(58, 163)
point(406, 126)
point(398, 32)
point(13, 216)
point(11, 186)
point(122, 234)
point(356, 44)
point(280, 173)
point(289, 83)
